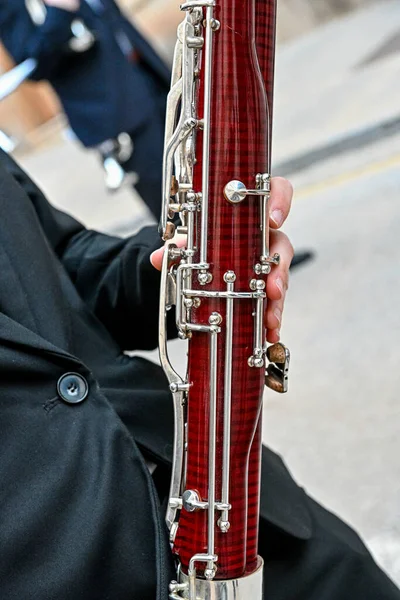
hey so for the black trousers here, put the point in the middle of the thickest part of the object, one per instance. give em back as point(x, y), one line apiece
point(147, 159)
point(333, 564)
point(322, 560)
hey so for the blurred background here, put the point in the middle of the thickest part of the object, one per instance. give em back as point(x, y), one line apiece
point(337, 138)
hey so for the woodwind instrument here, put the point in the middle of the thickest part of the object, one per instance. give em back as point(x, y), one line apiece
point(217, 180)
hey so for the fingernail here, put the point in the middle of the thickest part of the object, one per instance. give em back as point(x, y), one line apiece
point(278, 314)
point(279, 285)
point(278, 334)
point(277, 217)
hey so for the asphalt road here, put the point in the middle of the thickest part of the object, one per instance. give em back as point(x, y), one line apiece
point(338, 428)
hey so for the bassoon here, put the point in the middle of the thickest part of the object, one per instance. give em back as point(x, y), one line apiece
point(216, 191)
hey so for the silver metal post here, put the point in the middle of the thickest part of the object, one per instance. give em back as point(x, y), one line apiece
point(257, 359)
point(179, 312)
point(186, 123)
point(259, 349)
point(223, 522)
point(206, 133)
point(173, 378)
point(265, 184)
point(215, 320)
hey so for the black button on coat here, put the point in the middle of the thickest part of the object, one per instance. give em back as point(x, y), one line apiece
point(72, 388)
point(80, 517)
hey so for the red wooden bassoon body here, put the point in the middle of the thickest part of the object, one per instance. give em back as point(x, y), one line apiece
point(217, 169)
point(240, 126)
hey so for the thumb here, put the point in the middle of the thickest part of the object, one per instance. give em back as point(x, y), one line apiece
point(156, 258)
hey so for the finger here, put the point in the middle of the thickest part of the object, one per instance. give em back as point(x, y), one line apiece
point(281, 201)
point(273, 336)
point(278, 279)
point(156, 258)
point(273, 316)
point(273, 319)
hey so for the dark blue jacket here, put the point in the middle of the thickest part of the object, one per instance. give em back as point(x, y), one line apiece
point(102, 92)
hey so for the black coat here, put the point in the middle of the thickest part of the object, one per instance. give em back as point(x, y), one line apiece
point(80, 514)
point(103, 94)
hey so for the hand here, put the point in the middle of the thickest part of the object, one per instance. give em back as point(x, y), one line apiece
point(69, 5)
point(277, 281)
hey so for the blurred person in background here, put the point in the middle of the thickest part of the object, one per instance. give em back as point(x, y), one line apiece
point(117, 88)
point(118, 85)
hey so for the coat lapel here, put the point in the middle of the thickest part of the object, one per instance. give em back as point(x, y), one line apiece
point(14, 334)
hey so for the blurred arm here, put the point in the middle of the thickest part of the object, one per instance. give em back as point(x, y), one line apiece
point(23, 39)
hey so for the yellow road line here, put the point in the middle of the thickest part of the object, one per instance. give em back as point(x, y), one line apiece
point(339, 180)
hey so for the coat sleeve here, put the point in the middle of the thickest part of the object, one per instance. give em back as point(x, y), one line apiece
point(114, 276)
point(116, 279)
point(23, 39)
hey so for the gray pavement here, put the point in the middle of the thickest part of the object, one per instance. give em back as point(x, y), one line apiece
point(338, 427)
point(327, 88)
